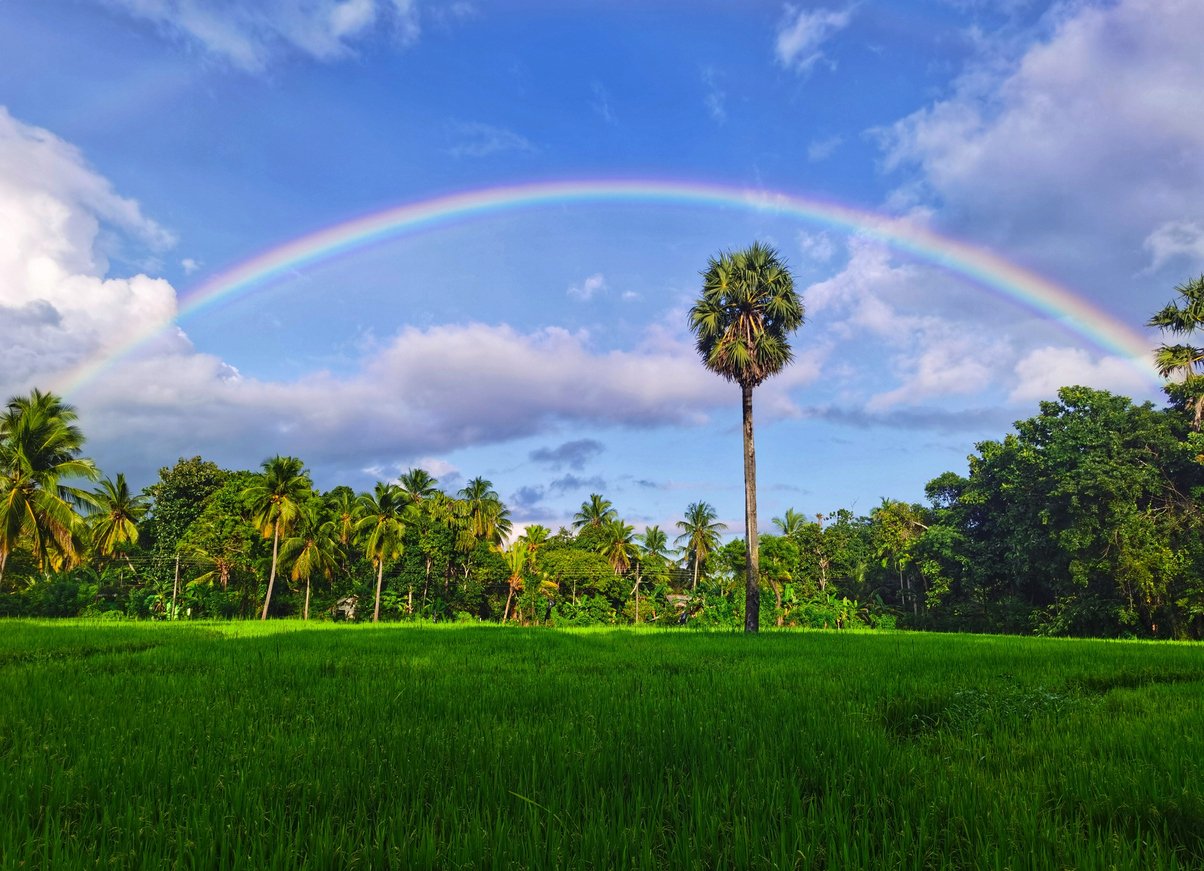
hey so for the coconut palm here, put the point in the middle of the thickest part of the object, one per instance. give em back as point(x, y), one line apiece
point(535, 536)
point(617, 545)
point(114, 517)
point(518, 559)
point(741, 323)
point(791, 524)
point(488, 517)
point(418, 484)
point(700, 535)
point(652, 546)
point(380, 529)
point(275, 498)
point(1182, 317)
point(39, 448)
point(314, 547)
point(595, 511)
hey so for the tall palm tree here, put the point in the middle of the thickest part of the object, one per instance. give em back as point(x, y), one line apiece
point(595, 511)
point(741, 323)
point(1182, 317)
point(700, 534)
point(114, 517)
point(40, 445)
point(380, 529)
point(314, 547)
point(275, 498)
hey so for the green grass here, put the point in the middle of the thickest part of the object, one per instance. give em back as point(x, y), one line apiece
point(244, 746)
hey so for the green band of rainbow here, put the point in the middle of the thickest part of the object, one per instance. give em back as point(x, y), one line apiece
point(981, 266)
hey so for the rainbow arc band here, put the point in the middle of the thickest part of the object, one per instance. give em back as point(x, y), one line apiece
point(982, 267)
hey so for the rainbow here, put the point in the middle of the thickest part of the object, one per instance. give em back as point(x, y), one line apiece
point(981, 266)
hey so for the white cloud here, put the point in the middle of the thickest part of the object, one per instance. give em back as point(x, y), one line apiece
point(1042, 371)
point(59, 306)
point(250, 35)
point(716, 97)
point(1174, 240)
point(822, 149)
point(588, 289)
point(419, 393)
point(481, 140)
point(802, 33)
point(818, 247)
point(1080, 148)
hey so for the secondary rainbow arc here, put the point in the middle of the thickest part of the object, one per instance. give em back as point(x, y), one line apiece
point(982, 266)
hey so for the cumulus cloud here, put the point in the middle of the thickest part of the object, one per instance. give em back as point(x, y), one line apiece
point(61, 222)
point(419, 393)
point(802, 33)
point(1084, 142)
point(250, 35)
point(1042, 371)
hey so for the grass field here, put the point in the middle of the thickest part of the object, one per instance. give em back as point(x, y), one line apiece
point(243, 746)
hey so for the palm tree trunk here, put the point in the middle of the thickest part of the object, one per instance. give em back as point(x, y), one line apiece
point(380, 578)
point(506, 612)
point(272, 577)
point(752, 592)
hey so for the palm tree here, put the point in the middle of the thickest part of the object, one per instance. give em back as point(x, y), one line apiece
point(418, 484)
point(115, 514)
point(380, 529)
point(489, 518)
point(518, 558)
point(275, 498)
point(741, 323)
point(39, 448)
point(535, 536)
point(791, 524)
point(653, 545)
point(314, 548)
point(1183, 317)
point(700, 534)
point(617, 545)
point(595, 511)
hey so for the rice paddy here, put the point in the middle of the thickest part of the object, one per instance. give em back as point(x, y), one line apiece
point(236, 746)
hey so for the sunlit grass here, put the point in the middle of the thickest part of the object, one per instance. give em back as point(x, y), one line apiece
point(258, 746)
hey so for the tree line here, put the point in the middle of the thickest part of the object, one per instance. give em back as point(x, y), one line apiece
point(1083, 521)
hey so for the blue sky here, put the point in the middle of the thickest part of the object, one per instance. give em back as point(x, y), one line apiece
point(147, 145)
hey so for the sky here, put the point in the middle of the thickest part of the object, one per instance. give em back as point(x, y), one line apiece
point(980, 201)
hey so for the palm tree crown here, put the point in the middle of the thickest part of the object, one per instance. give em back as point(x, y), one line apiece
point(746, 312)
point(1182, 317)
point(595, 511)
point(39, 448)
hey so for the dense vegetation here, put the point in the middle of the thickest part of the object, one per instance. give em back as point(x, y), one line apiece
point(255, 746)
point(1085, 520)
